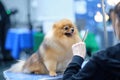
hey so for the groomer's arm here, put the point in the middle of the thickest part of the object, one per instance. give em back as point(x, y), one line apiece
point(74, 71)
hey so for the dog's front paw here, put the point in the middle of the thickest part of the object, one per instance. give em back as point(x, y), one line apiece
point(53, 74)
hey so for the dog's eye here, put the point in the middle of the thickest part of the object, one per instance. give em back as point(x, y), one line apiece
point(66, 28)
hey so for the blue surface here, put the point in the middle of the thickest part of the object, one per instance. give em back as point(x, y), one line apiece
point(21, 76)
point(18, 39)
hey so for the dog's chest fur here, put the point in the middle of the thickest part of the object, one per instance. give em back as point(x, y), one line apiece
point(63, 61)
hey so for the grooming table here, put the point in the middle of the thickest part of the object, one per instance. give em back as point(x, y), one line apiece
point(22, 76)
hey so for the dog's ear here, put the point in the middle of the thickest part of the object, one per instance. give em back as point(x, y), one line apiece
point(54, 25)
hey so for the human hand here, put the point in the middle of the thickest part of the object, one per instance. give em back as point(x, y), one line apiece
point(79, 49)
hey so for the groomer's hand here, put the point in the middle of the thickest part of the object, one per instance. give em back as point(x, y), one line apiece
point(79, 49)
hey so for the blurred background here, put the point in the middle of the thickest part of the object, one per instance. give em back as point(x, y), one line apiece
point(24, 23)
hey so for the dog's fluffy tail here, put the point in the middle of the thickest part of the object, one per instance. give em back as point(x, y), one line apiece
point(18, 67)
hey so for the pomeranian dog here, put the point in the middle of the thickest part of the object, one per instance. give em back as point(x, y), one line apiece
point(54, 53)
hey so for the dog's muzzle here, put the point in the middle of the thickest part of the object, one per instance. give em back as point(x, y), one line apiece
point(69, 34)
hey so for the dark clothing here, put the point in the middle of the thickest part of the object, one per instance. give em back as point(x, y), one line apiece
point(104, 65)
point(4, 26)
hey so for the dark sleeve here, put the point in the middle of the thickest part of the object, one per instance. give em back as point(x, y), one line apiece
point(74, 71)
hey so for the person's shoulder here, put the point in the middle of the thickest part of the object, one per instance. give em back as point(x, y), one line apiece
point(109, 52)
point(113, 49)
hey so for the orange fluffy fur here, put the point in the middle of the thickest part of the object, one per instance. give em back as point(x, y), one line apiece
point(55, 52)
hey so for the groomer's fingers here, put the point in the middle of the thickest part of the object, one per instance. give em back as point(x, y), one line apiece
point(76, 44)
point(80, 44)
point(79, 49)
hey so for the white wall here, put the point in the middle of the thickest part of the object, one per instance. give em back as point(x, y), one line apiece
point(55, 9)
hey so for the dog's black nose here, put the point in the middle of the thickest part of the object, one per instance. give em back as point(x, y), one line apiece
point(72, 30)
